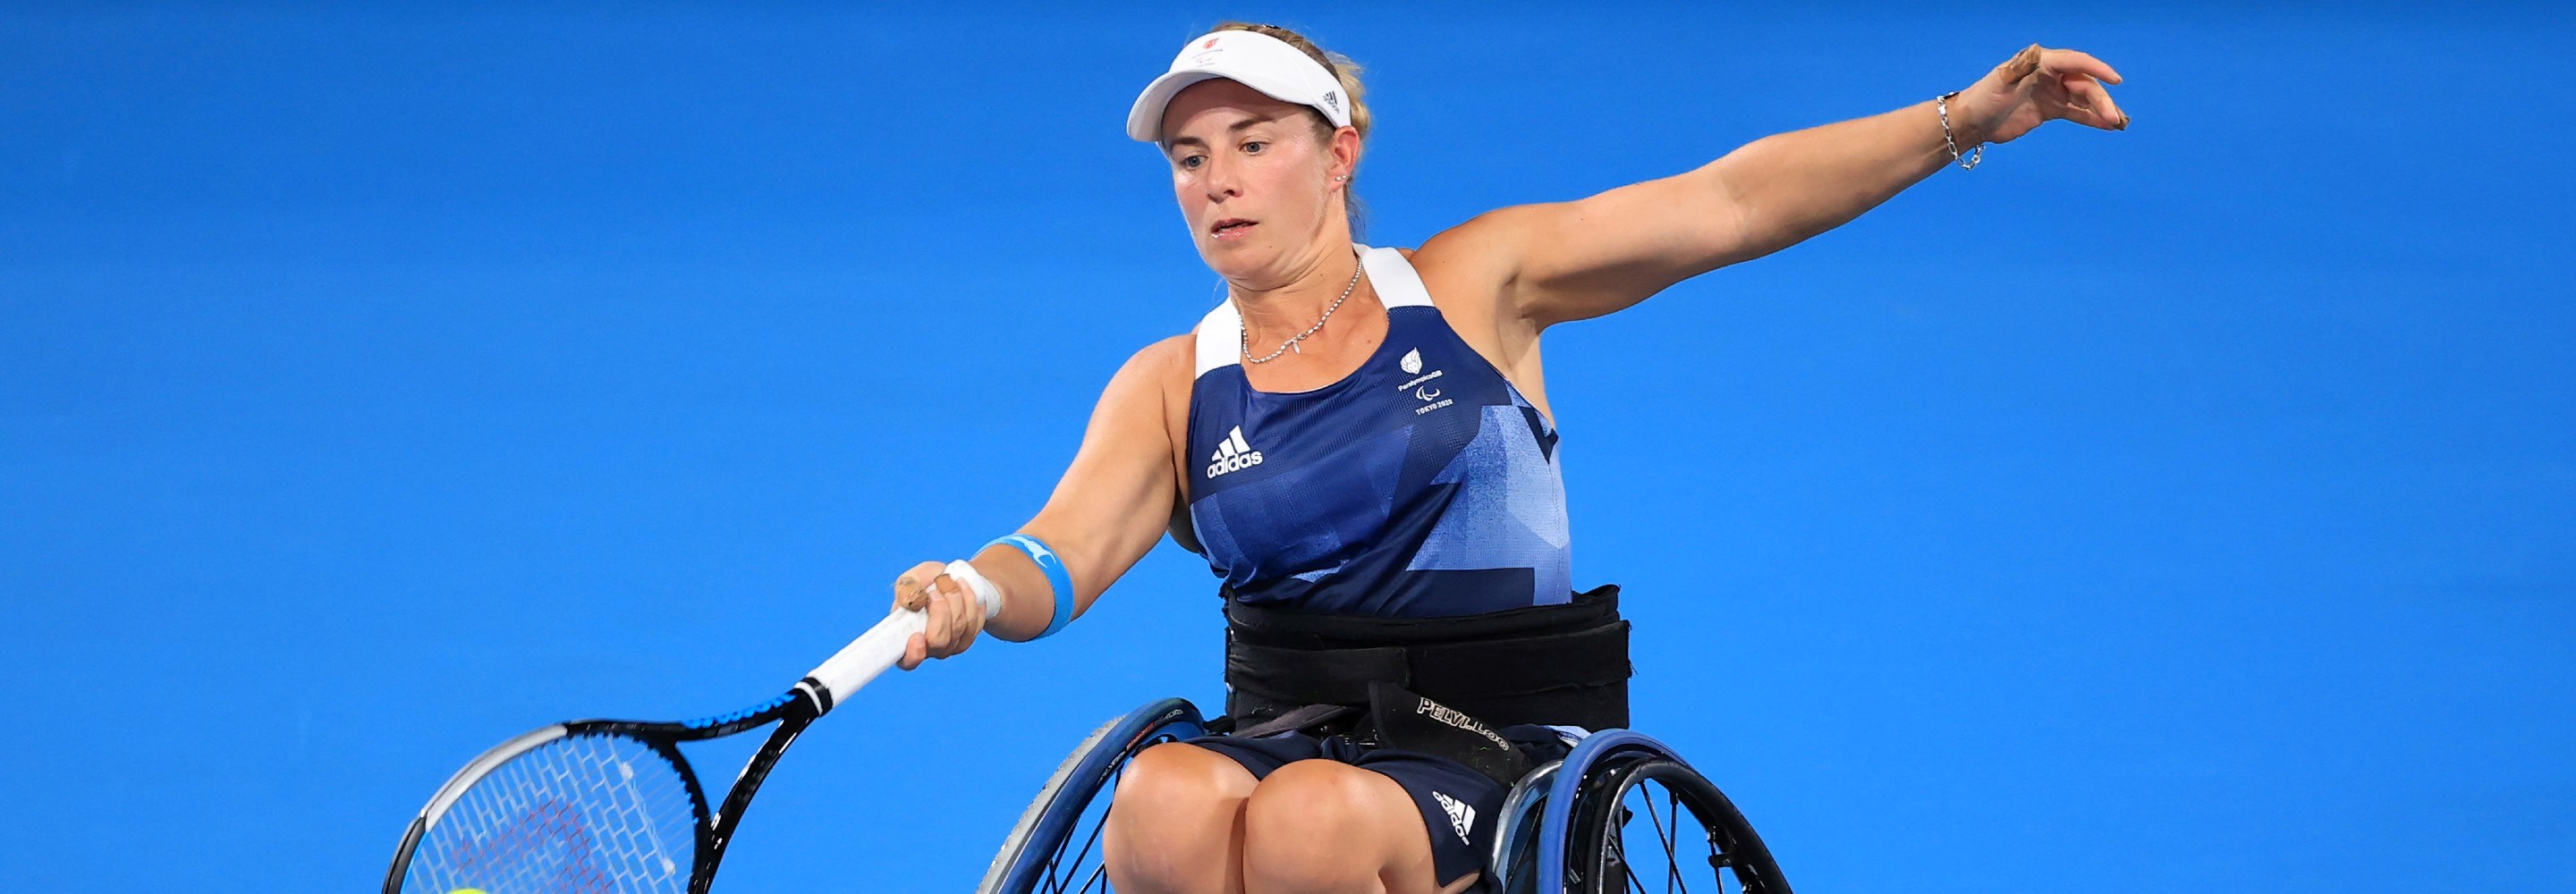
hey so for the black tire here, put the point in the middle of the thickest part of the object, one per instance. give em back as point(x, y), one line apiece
point(1605, 834)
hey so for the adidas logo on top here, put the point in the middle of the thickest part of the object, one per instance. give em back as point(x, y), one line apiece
point(1232, 454)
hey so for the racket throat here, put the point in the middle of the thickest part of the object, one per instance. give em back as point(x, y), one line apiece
point(815, 694)
point(729, 815)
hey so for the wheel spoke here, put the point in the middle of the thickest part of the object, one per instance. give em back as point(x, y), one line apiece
point(1615, 849)
point(1719, 867)
point(1672, 861)
point(1062, 872)
point(1605, 828)
point(1664, 833)
point(1087, 842)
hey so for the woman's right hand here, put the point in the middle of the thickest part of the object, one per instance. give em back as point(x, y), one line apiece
point(955, 616)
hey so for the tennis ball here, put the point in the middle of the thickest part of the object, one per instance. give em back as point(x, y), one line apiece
point(466, 891)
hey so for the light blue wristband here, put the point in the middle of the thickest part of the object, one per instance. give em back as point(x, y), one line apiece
point(1057, 577)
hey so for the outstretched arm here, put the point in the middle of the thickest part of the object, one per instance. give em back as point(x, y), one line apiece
point(1107, 511)
point(1582, 259)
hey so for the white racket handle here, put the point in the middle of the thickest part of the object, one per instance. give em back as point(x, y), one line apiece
point(879, 648)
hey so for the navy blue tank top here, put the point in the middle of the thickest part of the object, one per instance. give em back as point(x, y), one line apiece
point(1421, 485)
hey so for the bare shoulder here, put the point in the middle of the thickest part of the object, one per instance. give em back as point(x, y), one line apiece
point(1158, 369)
point(1486, 249)
point(1171, 358)
point(1155, 384)
point(1170, 355)
point(1472, 270)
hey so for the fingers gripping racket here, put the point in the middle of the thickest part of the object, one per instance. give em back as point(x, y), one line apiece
point(611, 805)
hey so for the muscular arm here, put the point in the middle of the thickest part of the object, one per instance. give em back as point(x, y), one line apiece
point(1574, 260)
point(1610, 251)
point(1109, 508)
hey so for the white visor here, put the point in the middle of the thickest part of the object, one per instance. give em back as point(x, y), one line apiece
point(1254, 59)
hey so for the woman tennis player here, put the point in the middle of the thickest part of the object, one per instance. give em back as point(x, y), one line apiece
point(1359, 440)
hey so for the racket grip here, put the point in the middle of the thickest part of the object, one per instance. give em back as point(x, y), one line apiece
point(879, 648)
point(987, 595)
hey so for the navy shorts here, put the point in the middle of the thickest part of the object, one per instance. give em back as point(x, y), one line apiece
point(1459, 806)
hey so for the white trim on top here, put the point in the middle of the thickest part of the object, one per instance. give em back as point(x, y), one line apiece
point(1220, 333)
point(1393, 277)
point(1220, 338)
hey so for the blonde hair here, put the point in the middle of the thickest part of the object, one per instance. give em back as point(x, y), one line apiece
point(1347, 73)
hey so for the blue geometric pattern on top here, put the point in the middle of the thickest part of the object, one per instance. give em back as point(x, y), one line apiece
point(1421, 485)
point(1509, 509)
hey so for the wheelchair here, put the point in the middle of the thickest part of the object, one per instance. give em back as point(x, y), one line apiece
point(1607, 818)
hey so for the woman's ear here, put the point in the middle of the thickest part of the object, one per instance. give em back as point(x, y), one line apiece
point(1345, 150)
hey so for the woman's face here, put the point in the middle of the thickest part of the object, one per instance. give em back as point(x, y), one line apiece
point(1254, 183)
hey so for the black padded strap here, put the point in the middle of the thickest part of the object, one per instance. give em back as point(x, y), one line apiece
point(1297, 720)
point(1279, 627)
point(1472, 670)
point(1563, 664)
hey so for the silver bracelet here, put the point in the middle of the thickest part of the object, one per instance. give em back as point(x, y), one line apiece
point(1941, 105)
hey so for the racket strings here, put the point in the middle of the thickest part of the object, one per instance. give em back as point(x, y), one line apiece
point(581, 814)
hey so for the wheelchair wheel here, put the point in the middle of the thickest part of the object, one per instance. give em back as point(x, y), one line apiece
point(1629, 833)
point(1056, 847)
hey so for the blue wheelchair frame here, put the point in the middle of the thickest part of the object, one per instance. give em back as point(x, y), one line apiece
point(1033, 853)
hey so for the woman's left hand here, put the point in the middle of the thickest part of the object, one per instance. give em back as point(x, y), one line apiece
point(2037, 86)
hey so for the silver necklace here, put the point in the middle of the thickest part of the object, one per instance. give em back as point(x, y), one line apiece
point(1291, 343)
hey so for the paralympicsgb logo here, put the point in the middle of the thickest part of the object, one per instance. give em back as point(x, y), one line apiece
point(1420, 384)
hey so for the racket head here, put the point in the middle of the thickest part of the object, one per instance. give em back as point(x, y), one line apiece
point(579, 807)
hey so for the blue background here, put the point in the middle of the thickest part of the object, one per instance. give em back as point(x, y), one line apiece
point(2193, 507)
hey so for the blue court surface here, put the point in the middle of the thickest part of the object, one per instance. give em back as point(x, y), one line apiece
point(2190, 508)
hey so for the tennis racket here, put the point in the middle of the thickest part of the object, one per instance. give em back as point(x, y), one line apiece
point(611, 805)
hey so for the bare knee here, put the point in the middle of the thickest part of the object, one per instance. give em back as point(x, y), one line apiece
point(1173, 775)
point(1174, 824)
point(1322, 826)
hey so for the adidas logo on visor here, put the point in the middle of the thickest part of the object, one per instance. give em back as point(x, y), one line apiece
point(1233, 454)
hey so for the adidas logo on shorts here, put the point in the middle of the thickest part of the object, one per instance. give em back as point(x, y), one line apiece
point(1232, 454)
point(1461, 816)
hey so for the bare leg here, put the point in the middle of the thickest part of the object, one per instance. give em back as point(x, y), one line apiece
point(1319, 827)
point(1176, 823)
